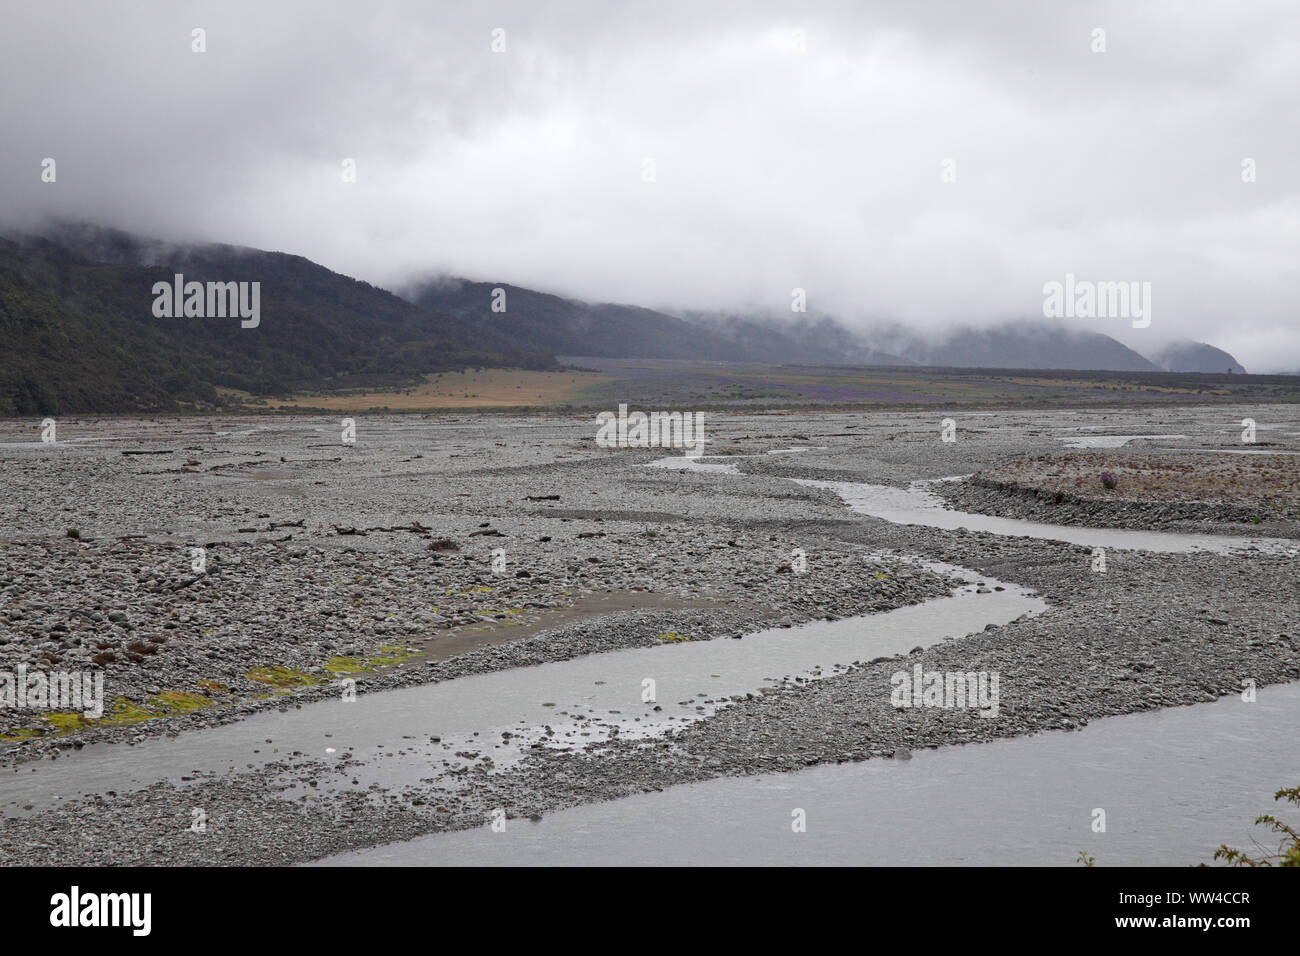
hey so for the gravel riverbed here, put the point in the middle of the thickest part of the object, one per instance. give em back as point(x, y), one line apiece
point(370, 562)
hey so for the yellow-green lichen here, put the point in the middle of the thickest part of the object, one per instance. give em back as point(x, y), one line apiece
point(123, 713)
point(347, 665)
point(19, 733)
point(180, 702)
point(280, 677)
point(66, 722)
point(388, 654)
point(393, 654)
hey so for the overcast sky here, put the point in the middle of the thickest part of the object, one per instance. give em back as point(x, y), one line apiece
point(793, 145)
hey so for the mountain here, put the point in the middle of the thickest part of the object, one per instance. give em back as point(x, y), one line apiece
point(1187, 356)
point(81, 334)
point(810, 340)
point(565, 326)
point(1023, 344)
point(551, 323)
point(77, 320)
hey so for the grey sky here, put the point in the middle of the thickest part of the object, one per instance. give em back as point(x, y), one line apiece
point(775, 168)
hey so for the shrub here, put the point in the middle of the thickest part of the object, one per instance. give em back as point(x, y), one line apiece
point(1288, 853)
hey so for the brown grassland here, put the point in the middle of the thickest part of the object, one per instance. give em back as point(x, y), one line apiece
point(479, 388)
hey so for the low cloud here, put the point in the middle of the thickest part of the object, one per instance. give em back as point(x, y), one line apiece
point(791, 147)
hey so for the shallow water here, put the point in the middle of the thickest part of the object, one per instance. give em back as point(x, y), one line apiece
point(916, 504)
point(1109, 441)
point(921, 814)
point(1174, 784)
point(697, 463)
point(582, 700)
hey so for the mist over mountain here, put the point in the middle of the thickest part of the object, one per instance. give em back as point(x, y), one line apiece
point(893, 137)
point(570, 326)
point(806, 339)
point(567, 326)
point(80, 333)
point(552, 323)
point(1020, 344)
point(1195, 357)
point(77, 300)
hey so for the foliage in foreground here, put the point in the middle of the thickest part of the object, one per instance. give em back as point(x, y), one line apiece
point(1288, 852)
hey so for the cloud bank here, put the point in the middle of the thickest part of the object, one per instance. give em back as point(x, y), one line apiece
point(925, 162)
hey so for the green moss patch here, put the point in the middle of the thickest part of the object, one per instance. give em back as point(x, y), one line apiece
point(282, 677)
point(19, 733)
point(388, 654)
point(123, 713)
point(342, 666)
point(179, 702)
point(393, 654)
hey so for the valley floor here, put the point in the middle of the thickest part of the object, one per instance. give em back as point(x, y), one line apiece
point(311, 645)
